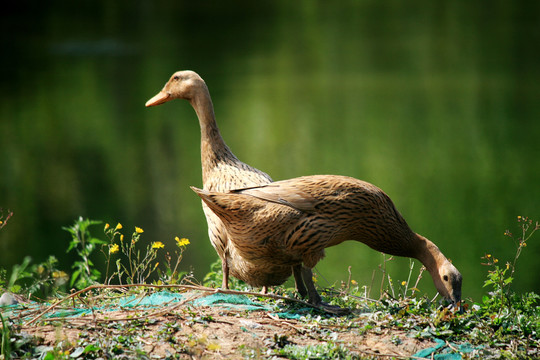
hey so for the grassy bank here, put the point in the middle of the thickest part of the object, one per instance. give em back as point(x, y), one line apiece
point(104, 311)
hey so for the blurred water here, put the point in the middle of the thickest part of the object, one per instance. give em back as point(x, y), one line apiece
point(437, 104)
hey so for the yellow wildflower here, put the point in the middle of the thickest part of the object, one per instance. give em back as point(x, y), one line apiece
point(403, 283)
point(181, 242)
point(354, 282)
point(118, 227)
point(114, 248)
point(107, 226)
point(59, 274)
point(157, 245)
point(122, 237)
point(495, 260)
point(138, 230)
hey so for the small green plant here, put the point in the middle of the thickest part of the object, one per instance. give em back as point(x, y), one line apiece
point(19, 273)
point(35, 280)
point(138, 267)
point(214, 277)
point(5, 350)
point(403, 290)
point(507, 312)
point(111, 248)
point(400, 289)
point(132, 266)
point(171, 275)
point(84, 244)
point(500, 279)
point(385, 275)
point(47, 279)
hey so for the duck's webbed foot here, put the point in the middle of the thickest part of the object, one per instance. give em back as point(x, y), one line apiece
point(334, 309)
point(315, 298)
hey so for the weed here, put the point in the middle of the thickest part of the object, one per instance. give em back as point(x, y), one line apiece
point(5, 350)
point(507, 312)
point(214, 277)
point(84, 244)
point(385, 274)
point(35, 280)
point(500, 279)
point(14, 343)
point(171, 275)
point(133, 266)
point(139, 266)
point(350, 292)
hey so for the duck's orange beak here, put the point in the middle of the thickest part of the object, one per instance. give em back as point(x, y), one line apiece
point(159, 99)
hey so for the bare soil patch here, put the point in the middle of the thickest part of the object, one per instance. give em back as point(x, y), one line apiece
point(186, 331)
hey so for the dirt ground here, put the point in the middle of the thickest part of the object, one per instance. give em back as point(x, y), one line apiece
point(211, 332)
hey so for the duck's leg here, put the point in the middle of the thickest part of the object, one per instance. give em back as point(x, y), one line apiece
point(315, 298)
point(313, 295)
point(225, 270)
point(300, 287)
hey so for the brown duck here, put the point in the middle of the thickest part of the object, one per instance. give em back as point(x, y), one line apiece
point(291, 222)
point(221, 171)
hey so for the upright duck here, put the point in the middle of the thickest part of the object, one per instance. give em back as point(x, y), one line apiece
point(291, 222)
point(221, 171)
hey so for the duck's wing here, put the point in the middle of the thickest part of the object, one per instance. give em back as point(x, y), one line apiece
point(281, 193)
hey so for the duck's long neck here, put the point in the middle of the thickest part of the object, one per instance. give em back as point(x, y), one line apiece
point(213, 147)
point(429, 254)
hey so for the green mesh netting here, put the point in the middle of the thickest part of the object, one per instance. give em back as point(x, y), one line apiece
point(444, 352)
point(164, 298)
point(161, 298)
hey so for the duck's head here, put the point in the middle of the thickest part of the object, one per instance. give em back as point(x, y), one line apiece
point(448, 282)
point(181, 85)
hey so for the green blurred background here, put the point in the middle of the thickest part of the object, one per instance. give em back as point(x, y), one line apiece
point(437, 103)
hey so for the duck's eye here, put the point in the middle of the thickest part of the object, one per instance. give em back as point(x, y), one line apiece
point(176, 77)
point(445, 277)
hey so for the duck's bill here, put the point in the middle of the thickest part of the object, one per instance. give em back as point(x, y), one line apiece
point(159, 99)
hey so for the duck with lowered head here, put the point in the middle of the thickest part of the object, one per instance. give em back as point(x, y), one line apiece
point(291, 222)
